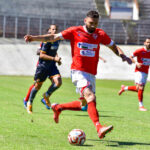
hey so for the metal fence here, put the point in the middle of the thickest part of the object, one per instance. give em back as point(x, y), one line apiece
point(122, 32)
point(17, 27)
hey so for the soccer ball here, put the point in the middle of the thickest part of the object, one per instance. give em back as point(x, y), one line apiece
point(76, 137)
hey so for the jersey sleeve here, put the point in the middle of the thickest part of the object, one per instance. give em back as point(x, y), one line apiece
point(45, 47)
point(41, 44)
point(136, 53)
point(105, 39)
point(68, 33)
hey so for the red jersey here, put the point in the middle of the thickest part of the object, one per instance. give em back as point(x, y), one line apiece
point(143, 56)
point(85, 47)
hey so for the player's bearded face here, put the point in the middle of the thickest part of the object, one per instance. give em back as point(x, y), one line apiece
point(147, 44)
point(91, 24)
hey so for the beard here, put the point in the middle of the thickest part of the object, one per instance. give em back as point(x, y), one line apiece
point(148, 47)
point(90, 30)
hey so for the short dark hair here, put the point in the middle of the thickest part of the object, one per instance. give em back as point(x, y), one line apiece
point(93, 14)
point(53, 25)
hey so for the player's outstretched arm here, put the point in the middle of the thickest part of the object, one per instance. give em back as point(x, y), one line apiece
point(45, 38)
point(120, 53)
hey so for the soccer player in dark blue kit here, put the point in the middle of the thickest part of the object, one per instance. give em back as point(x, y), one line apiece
point(46, 68)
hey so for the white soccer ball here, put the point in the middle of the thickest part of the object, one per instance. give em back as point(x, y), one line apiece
point(76, 137)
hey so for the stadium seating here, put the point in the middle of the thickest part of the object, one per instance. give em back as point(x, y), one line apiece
point(34, 17)
point(144, 9)
point(66, 9)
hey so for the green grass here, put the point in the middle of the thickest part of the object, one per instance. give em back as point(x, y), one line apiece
point(21, 131)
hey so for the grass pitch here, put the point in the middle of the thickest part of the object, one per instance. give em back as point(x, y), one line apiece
point(21, 131)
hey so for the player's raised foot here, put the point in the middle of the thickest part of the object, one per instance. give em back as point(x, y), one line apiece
point(104, 130)
point(44, 102)
point(29, 108)
point(142, 108)
point(56, 112)
point(25, 103)
point(47, 100)
point(121, 90)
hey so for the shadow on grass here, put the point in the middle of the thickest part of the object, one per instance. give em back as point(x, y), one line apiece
point(123, 143)
point(120, 143)
point(101, 116)
point(85, 145)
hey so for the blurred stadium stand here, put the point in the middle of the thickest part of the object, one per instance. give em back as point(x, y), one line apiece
point(144, 9)
point(18, 18)
point(126, 30)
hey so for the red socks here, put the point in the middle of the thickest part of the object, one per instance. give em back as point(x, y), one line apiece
point(75, 105)
point(140, 92)
point(132, 88)
point(93, 114)
point(140, 95)
point(28, 93)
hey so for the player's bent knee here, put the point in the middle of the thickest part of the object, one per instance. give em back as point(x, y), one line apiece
point(90, 98)
point(58, 83)
point(141, 87)
point(89, 95)
point(38, 85)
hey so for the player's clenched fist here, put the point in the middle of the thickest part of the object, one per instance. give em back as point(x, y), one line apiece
point(57, 59)
point(28, 38)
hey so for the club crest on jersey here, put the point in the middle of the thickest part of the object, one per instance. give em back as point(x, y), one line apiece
point(54, 47)
point(95, 36)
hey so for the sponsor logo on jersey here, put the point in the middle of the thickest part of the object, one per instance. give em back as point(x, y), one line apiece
point(87, 45)
point(54, 47)
point(88, 53)
point(146, 61)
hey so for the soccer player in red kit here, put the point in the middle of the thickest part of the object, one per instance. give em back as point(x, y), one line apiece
point(141, 72)
point(85, 44)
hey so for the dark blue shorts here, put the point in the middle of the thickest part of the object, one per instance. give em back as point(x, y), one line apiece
point(42, 72)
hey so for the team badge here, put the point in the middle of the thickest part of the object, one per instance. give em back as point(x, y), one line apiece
point(95, 36)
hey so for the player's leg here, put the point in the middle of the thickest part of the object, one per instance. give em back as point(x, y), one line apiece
point(140, 80)
point(56, 83)
point(58, 108)
point(93, 113)
point(33, 93)
point(56, 80)
point(89, 94)
point(25, 100)
point(140, 98)
point(127, 88)
point(74, 106)
point(79, 81)
point(87, 90)
point(40, 77)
